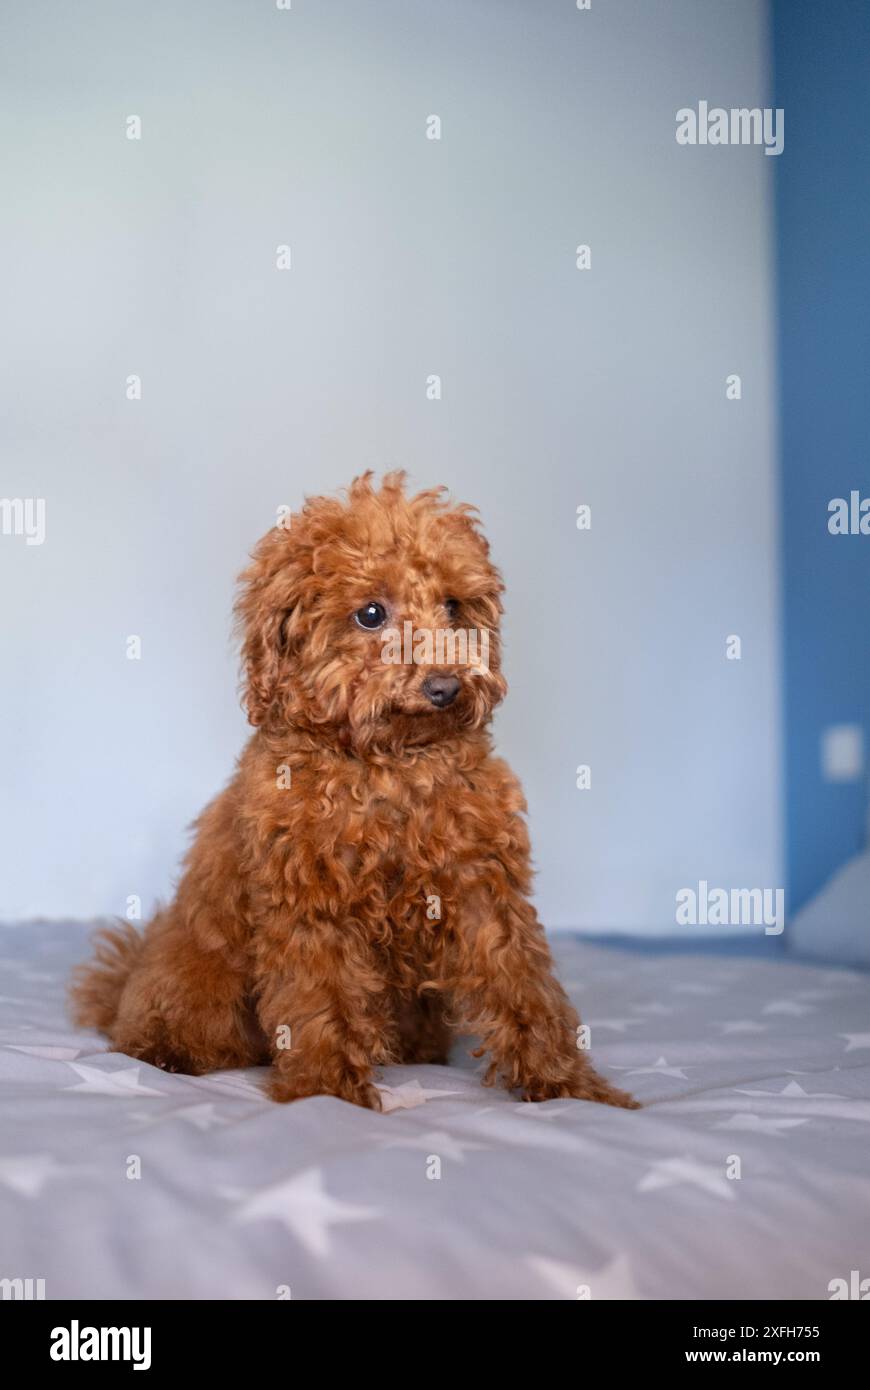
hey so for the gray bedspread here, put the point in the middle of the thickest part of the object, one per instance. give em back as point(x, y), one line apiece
point(745, 1175)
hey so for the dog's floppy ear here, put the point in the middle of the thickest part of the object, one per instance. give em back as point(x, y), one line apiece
point(268, 595)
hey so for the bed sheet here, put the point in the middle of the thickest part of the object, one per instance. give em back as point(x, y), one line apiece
point(744, 1176)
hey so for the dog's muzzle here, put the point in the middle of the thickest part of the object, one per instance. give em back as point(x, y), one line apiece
point(441, 691)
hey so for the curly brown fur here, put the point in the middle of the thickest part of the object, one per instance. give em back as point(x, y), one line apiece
point(303, 930)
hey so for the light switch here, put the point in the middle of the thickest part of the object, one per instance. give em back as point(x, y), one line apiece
point(842, 752)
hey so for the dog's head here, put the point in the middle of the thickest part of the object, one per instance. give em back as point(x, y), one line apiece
point(373, 620)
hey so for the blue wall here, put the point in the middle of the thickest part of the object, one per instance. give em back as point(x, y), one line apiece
point(821, 55)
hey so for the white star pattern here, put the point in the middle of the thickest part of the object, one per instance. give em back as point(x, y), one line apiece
point(28, 1174)
point(439, 1143)
point(541, 1110)
point(794, 1091)
point(613, 1281)
point(241, 1083)
point(674, 1172)
point(203, 1117)
point(760, 1124)
point(659, 1068)
point(789, 1007)
point(742, 1025)
point(408, 1096)
point(124, 1082)
point(304, 1208)
point(819, 1107)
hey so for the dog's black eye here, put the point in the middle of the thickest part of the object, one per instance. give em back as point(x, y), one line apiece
point(371, 616)
point(452, 607)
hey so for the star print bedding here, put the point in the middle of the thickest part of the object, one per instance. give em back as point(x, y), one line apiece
point(746, 1175)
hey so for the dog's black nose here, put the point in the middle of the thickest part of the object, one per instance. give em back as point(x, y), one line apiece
point(441, 690)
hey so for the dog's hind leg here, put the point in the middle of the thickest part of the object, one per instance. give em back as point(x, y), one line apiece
point(182, 1004)
point(191, 1014)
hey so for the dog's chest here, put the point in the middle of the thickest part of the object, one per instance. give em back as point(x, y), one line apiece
point(405, 815)
point(388, 835)
point(402, 826)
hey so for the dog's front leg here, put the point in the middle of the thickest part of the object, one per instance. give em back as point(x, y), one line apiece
point(325, 1015)
point(507, 995)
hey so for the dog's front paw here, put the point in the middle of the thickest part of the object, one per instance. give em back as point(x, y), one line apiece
point(166, 1057)
point(553, 1075)
point(585, 1085)
point(285, 1086)
point(602, 1093)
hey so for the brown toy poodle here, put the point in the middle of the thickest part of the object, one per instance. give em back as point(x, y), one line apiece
point(360, 889)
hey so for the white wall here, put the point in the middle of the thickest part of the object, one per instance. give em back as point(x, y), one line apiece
point(410, 257)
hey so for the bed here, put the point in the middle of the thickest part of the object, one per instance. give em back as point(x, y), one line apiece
point(745, 1175)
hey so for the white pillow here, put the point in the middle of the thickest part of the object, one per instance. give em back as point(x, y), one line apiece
point(835, 924)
